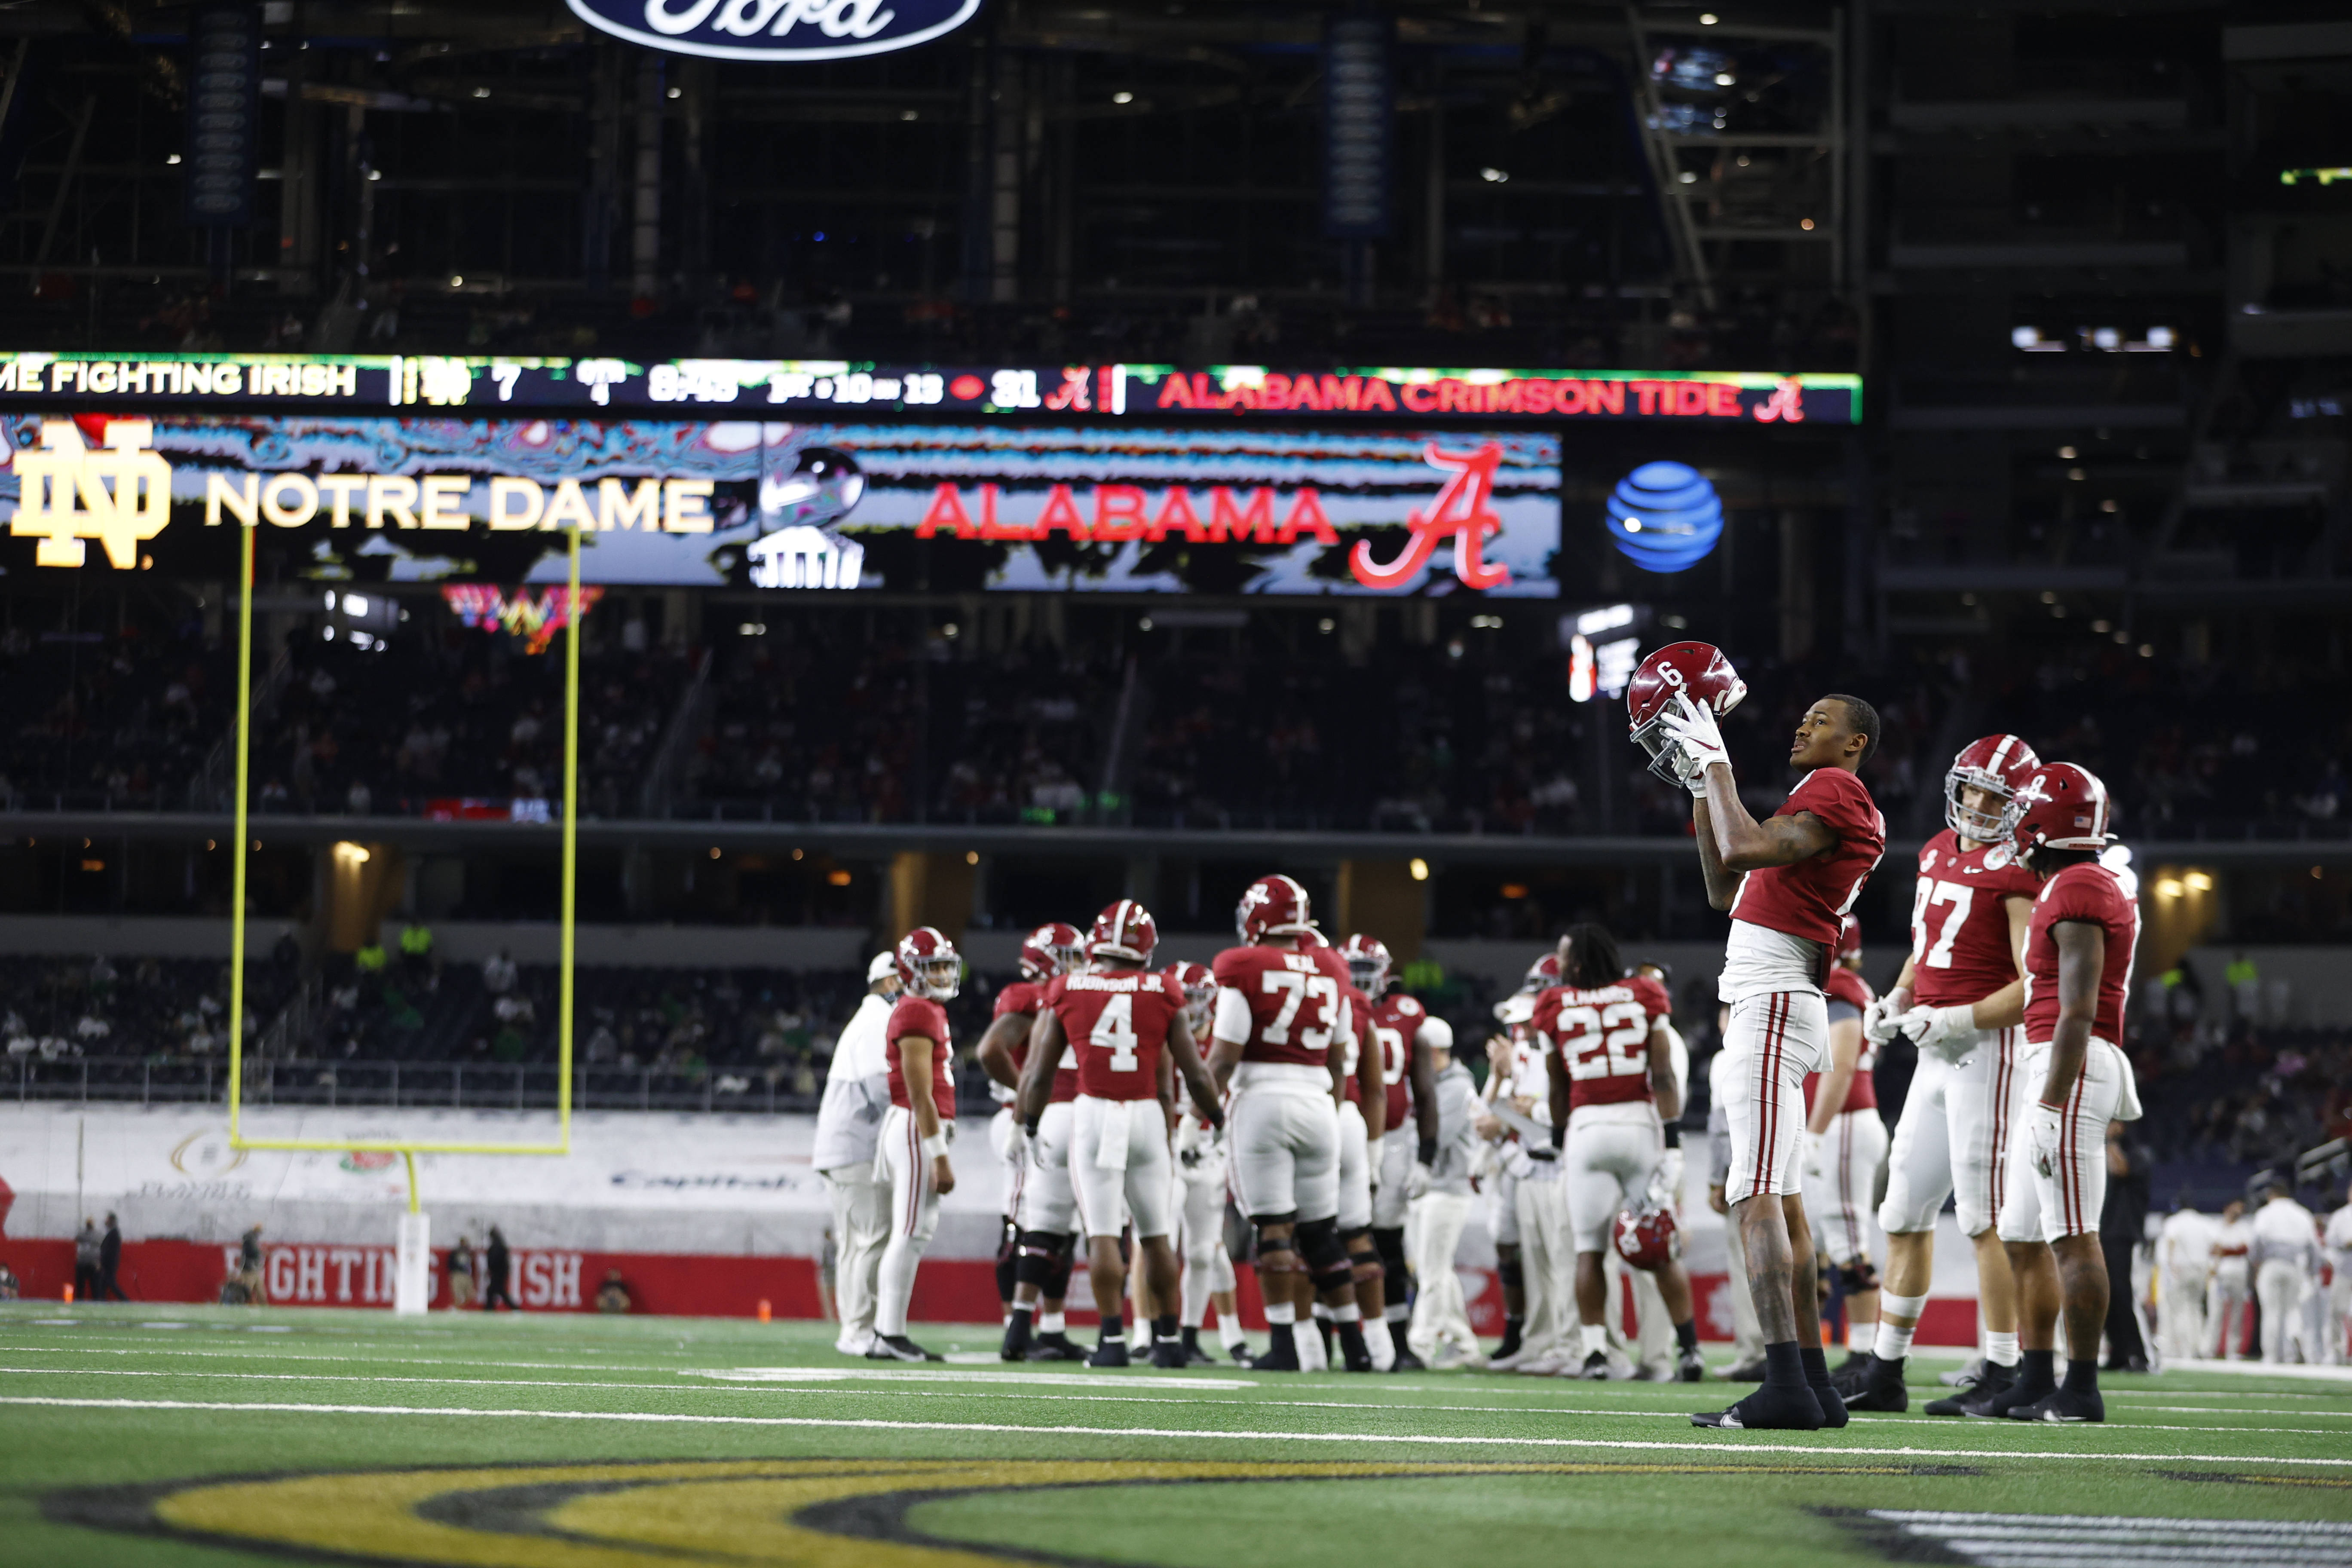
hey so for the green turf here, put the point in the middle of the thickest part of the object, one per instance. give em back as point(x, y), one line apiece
point(1131, 1468)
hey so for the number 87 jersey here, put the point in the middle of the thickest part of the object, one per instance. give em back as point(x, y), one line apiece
point(1602, 1036)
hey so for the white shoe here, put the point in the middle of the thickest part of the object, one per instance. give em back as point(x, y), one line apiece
point(1552, 1363)
point(853, 1345)
point(1454, 1357)
point(1511, 1362)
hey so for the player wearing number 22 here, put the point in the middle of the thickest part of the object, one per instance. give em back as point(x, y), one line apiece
point(1126, 1023)
point(1788, 882)
point(1281, 1016)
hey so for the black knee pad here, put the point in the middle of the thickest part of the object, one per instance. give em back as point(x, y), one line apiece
point(1857, 1277)
point(1057, 1277)
point(1278, 1254)
point(1319, 1242)
point(1508, 1271)
point(1035, 1258)
point(1390, 1245)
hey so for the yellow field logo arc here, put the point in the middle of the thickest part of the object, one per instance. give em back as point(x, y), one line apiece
point(808, 1513)
point(207, 1154)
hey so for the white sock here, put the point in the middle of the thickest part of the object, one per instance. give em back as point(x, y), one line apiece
point(1051, 1324)
point(1377, 1340)
point(1860, 1336)
point(1350, 1313)
point(1397, 1313)
point(1596, 1338)
point(1310, 1348)
point(1893, 1343)
point(1281, 1313)
point(893, 1288)
point(1230, 1328)
point(2001, 1349)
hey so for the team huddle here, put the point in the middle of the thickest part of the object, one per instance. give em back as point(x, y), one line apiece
point(1291, 1075)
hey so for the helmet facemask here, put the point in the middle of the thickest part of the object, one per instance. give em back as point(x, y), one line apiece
point(1982, 828)
point(938, 976)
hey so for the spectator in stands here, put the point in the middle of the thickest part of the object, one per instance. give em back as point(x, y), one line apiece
point(9, 1289)
point(87, 1244)
point(416, 951)
point(461, 1274)
point(370, 959)
point(2123, 1238)
point(110, 1262)
point(500, 1285)
point(498, 972)
point(612, 1296)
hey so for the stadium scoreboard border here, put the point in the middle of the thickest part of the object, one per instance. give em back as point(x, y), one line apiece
point(493, 383)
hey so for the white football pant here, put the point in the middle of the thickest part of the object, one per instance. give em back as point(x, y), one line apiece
point(1118, 1166)
point(1775, 1039)
point(1285, 1148)
point(914, 1215)
point(1953, 1138)
point(1838, 1200)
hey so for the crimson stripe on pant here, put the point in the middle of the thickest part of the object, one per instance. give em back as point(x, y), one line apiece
point(2000, 1079)
point(914, 1172)
point(1767, 1086)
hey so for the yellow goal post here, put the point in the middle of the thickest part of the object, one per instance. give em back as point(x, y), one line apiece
point(407, 1149)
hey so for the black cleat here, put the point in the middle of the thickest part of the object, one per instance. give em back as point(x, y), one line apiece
point(1988, 1404)
point(1991, 1380)
point(1110, 1352)
point(1510, 1345)
point(1408, 1361)
point(1879, 1389)
point(1855, 1363)
point(2061, 1404)
point(1690, 1367)
point(1195, 1356)
point(1768, 1409)
point(1833, 1407)
point(1055, 1346)
point(898, 1347)
point(1281, 1353)
point(1746, 1371)
point(1169, 1354)
point(1595, 1368)
point(1242, 1356)
point(1017, 1339)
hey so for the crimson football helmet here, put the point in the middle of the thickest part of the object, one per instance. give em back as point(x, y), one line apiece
point(1051, 949)
point(1123, 930)
point(1542, 975)
point(929, 965)
point(1274, 905)
point(1647, 1238)
point(2060, 805)
point(1199, 986)
point(1368, 963)
point(1696, 670)
point(1997, 764)
point(1849, 938)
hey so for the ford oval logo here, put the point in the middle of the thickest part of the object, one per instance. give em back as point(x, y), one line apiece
point(776, 29)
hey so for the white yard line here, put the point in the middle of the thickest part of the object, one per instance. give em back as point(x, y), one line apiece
point(1726, 1446)
point(2342, 1374)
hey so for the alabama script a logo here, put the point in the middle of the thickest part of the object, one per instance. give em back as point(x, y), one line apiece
point(1462, 511)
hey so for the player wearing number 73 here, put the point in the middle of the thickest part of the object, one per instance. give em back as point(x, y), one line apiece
point(1127, 1024)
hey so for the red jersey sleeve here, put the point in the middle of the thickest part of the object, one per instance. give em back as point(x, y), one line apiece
point(1652, 994)
point(1845, 985)
point(1839, 800)
point(1021, 997)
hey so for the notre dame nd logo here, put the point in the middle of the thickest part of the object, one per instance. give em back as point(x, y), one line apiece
point(120, 495)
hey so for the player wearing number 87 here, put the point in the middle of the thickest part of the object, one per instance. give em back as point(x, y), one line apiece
point(1612, 1074)
point(1279, 1035)
point(1787, 882)
point(1127, 1027)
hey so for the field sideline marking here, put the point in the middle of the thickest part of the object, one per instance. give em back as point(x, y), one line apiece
point(1171, 1398)
point(875, 1424)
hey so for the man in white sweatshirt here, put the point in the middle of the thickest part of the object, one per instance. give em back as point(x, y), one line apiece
point(1441, 1333)
point(2286, 1259)
point(848, 1121)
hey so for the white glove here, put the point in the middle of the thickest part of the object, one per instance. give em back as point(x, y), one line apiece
point(2045, 1126)
point(1880, 1022)
point(1814, 1141)
point(1187, 1146)
point(1417, 1184)
point(1701, 741)
point(1949, 1032)
point(1666, 1181)
point(1016, 1142)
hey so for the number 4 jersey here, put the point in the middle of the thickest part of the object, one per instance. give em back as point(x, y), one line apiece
point(1117, 1022)
point(1602, 1038)
point(1959, 926)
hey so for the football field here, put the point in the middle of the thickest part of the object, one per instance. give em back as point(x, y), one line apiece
point(159, 1437)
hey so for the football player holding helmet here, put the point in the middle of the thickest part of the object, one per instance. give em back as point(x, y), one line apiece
point(1787, 882)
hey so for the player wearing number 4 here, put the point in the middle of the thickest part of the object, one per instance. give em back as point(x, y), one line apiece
point(1788, 882)
point(1281, 1015)
point(1127, 1024)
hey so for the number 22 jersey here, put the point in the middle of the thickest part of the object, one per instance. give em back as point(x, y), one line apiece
point(1602, 1038)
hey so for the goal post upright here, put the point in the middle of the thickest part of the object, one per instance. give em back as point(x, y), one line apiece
point(566, 945)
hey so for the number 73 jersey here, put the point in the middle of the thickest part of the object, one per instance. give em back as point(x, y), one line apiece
point(1959, 928)
point(1293, 1004)
point(1117, 1022)
point(1602, 1038)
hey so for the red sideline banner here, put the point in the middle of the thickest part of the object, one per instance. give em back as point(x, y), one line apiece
point(664, 1284)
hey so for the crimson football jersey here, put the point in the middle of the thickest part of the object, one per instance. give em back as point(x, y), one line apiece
point(1845, 985)
point(2088, 892)
point(1959, 920)
point(1602, 1038)
point(920, 1015)
point(1397, 1018)
point(1294, 1000)
point(1358, 1043)
point(1810, 898)
point(1116, 1021)
point(1025, 997)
